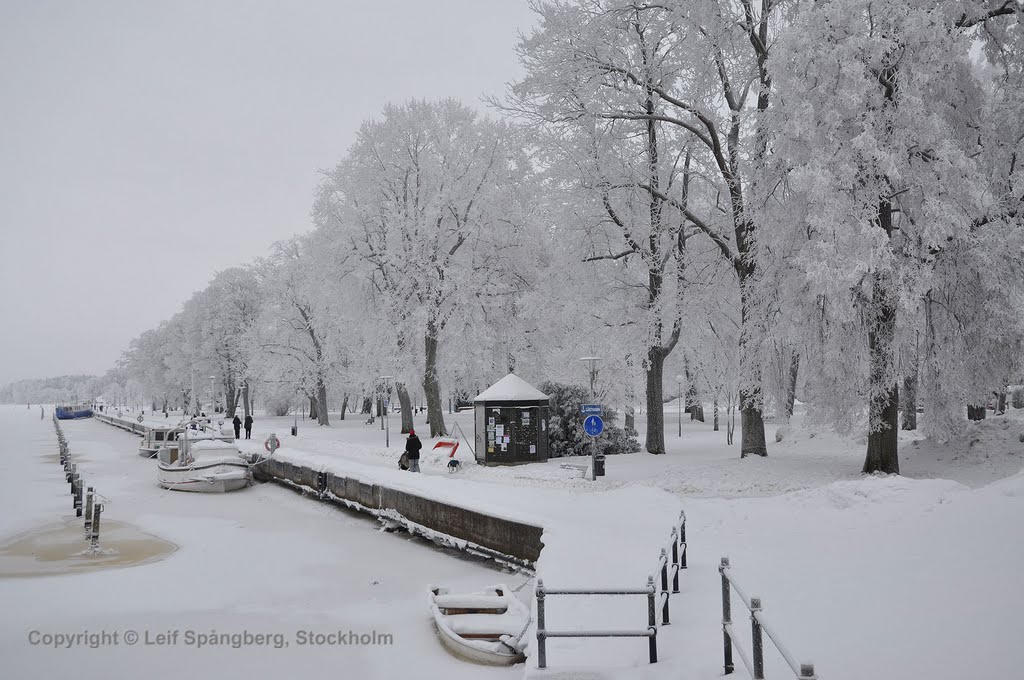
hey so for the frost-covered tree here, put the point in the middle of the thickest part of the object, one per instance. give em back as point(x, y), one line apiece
point(427, 199)
point(879, 134)
point(633, 91)
point(294, 330)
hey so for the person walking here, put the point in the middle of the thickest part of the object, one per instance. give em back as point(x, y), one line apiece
point(412, 451)
point(237, 422)
point(248, 426)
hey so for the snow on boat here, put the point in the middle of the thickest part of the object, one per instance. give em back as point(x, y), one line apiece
point(485, 627)
point(73, 412)
point(206, 465)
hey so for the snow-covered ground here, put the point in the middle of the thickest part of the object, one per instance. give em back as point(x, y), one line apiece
point(884, 577)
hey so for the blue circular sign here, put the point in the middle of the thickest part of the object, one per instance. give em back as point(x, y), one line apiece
point(593, 426)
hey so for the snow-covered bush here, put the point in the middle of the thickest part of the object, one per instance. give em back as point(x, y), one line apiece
point(565, 425)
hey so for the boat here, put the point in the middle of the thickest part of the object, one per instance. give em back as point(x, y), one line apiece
point(203, 465)
point(485, 627)
point(155, 438)
point(73, 412)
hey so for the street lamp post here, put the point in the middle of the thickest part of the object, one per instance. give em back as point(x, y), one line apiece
point(592, 365)
point(679, 380)
point(213, 406)
point(385, 425)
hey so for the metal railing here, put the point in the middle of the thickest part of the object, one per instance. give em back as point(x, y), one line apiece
point(655, 592)
point(754, 661)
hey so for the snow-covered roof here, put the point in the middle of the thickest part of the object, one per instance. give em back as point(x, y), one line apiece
point(511, 388)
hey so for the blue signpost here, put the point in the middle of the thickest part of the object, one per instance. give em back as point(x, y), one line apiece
point(593, 425)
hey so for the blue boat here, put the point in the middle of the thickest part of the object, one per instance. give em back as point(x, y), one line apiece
point(73, 412)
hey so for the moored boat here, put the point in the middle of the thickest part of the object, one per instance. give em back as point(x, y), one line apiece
point(206, 465)
point(73, 412)
point(485, 627)
point(156, 438)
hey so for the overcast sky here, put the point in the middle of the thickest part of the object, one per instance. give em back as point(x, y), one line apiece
point(146, 145)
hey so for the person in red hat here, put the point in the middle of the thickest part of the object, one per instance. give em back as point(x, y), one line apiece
point(412, 451)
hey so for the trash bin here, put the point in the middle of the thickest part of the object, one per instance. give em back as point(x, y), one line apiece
point(599, 465)
point(295, 430)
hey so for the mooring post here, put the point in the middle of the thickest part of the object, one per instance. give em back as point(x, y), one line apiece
point(97, 510)
point(78, 496)
point(88, 512)
point(726, 617)
point(757, 646)
point(807, 672)
point(542, 657)
point(652, 621)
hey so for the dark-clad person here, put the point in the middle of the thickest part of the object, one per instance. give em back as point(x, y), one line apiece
point(412, 451)
point(248, 426)
point(237, 422)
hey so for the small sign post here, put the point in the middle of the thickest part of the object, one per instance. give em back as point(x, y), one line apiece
point(593, 426)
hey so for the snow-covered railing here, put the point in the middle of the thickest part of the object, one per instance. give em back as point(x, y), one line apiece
point(754, 661)
point(659, 593)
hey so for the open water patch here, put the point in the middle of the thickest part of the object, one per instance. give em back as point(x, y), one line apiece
point(61, 548)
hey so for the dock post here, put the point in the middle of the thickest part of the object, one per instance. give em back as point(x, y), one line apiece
point(88, 513)
point(542, 657)
point(97, 510)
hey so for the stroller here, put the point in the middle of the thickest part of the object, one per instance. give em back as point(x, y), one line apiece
point(403, 462)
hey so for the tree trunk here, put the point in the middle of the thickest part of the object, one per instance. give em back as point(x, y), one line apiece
point(367, 405)
point(1001, 403)
point(344, 406)
point(910, 401)
point(431, 385)
point(403, 399)
point(716, 413)
point(976, 412)
point(883, 447)
point(752, 441)
point(246, 403)
point(655, 409)
point(630, 423)
point(230, 398)
point(794, 370)
point(312, 406)
point(323, 417)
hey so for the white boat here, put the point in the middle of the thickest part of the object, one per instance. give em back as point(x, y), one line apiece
point(485, 627)
point(205, 465)
point(155, 438)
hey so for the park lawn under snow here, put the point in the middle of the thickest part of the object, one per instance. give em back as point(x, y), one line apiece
point(909, 576)
point(880, 576)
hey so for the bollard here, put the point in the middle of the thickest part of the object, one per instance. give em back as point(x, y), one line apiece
point(88, 513)
point(675, 560)
point(97, 510)
point(726, 617)
point(682, 539)
point(756, 642)
point(652, 622)
point(664, 587)
point(78, 496)
point(807, 672)
point(542, 658)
